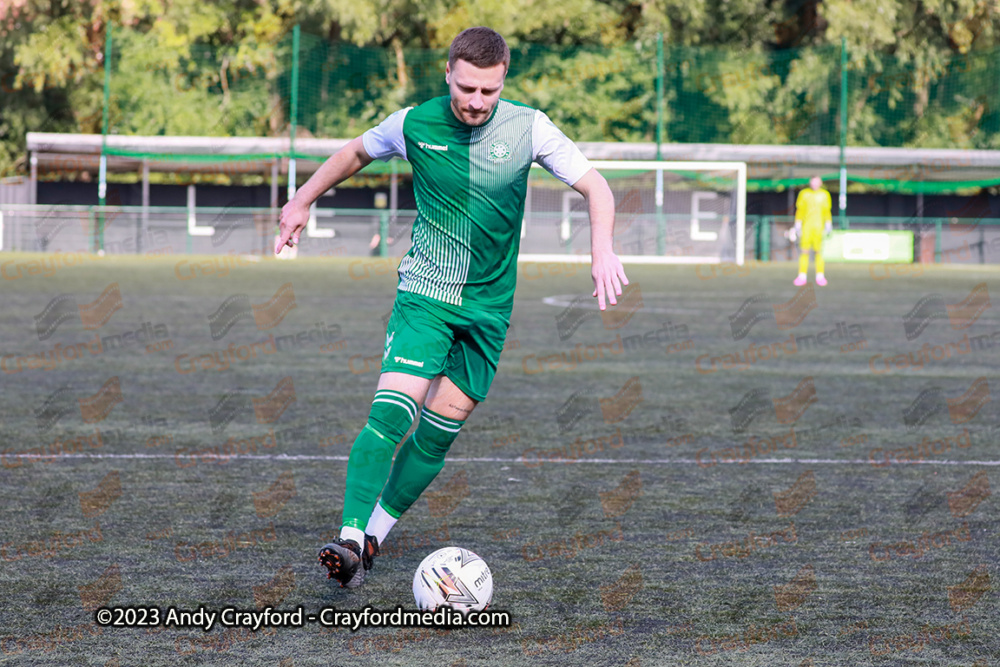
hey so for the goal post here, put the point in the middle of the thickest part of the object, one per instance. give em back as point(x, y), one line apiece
point(665, 213)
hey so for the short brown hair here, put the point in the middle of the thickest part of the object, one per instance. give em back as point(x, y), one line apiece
point(481, 47)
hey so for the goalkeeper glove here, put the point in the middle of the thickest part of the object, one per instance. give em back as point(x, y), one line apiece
point(793, 233)
point(829, 228)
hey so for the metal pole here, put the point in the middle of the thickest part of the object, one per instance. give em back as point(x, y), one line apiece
point(790, 192)
point(383, 231)
point(393, 191)
point(758, 238)
point(191, 213)
point(144, 218)
point(764, 243)
point(33, 182)
point(659, 93)
point(294, 112)
point(91, 224)
point(938, 226)
point(661, 231)
point(843, 133)
point(102, 178)
point(274, 214)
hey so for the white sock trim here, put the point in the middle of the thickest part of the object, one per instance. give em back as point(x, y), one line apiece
point(440, 422)
point(380, 523)
point(352, 533)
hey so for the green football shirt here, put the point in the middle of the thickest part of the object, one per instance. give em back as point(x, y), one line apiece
point(470, 183)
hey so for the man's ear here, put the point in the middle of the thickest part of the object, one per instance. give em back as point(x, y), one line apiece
point(447, 72)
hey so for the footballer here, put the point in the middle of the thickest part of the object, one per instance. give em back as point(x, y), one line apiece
point(470, 152)
point(812, 221)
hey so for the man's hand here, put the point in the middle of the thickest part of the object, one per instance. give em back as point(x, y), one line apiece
point(343, 164)
point(829, 227)
point(609, 276)
point(605, 267)
point(294, 218)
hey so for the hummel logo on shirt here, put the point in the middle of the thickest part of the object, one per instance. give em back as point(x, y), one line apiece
point(432, 147)
point(410, 362)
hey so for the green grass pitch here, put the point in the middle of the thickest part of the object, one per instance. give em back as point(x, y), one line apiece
point(721, 470)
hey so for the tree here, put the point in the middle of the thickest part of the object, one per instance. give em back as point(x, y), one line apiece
point(747, 71)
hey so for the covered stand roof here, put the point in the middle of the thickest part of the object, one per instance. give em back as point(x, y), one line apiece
point(767, 165)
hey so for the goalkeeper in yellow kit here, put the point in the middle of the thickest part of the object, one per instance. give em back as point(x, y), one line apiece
point(813, 221)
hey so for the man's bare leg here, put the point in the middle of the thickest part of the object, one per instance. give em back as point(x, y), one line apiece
point(444, 398)
point(411, 385)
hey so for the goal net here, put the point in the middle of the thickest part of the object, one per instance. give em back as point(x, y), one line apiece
point(665, 212)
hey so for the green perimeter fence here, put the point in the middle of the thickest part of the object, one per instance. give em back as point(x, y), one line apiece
point(646, 91)
point(247, 234)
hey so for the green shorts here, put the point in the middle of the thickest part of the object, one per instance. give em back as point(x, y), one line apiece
point(428, 338)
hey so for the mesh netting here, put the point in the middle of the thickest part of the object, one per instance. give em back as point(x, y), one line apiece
point(710, 95)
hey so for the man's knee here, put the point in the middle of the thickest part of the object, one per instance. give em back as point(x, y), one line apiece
point(436, 432)
point(392, 414)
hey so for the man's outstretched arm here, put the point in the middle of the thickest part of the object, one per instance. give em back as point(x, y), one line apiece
point(606, 269)
point(343, 164)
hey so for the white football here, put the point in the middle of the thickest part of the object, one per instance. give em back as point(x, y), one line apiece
point(453, 577)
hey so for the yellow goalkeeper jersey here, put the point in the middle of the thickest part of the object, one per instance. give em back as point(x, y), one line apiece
point(813, 207)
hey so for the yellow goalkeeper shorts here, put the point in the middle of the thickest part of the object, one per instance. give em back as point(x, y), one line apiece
point(812, 239)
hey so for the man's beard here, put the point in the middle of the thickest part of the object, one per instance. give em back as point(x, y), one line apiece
point(473, 118)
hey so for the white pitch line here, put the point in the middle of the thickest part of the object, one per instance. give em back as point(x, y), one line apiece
point(485, 459)
point(702, 464)
point(566, 300)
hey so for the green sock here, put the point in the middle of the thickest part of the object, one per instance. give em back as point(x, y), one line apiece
point(390, 418)
point(419, 461)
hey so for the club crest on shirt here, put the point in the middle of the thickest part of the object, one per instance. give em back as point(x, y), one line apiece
point(499, 151)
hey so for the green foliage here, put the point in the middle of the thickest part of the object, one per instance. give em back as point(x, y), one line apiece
point(740, 71)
